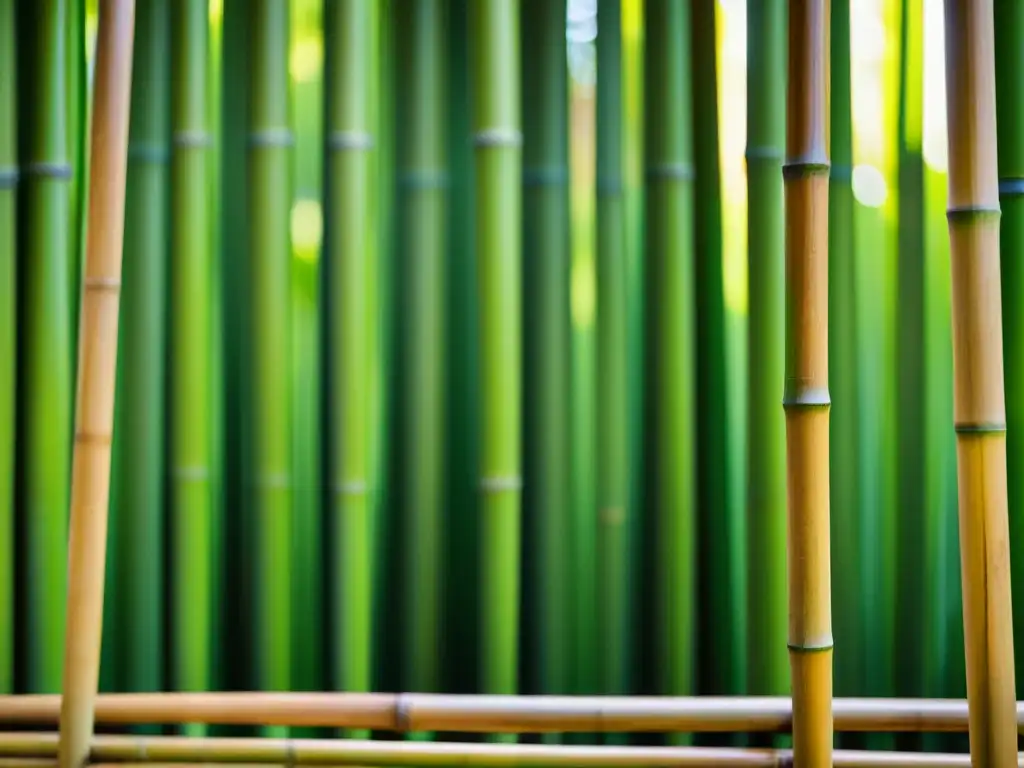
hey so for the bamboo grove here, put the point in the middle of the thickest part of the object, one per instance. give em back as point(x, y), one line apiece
point(592, 348)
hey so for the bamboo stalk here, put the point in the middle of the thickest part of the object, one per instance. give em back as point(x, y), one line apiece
point(547, 355)
point(669, 332)
point(8, 331)
point(410, 712)
point(178, 749)
point(806, 398)
point(90, 484)
point(44, 350)
point(497, 138)
point(766, 460)
point(614, 604)
point(349, 30)
point(978, 407)
point(268, 443)
point(1009, 21)
point(191, 272)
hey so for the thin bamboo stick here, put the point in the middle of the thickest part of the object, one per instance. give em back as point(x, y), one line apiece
point(174, 750)
point(90, 482)
point(806, 395)
point(498, 714)
point(978, 403)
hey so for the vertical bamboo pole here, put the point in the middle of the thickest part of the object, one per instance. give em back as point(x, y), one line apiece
point(190, 297)
point(423, 186)
point(268, 350)
point(44, 325)
point(806, 397)
point(349, 140)
point(669, 333)
point(1009, 22)
point(766, 457)
point(614, 606)
point(547, 356)
point(497, 138)
point(978, 406)
point(90, 483)
point(8, 331)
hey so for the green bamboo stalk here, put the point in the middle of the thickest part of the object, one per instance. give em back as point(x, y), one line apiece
point(77, 125)
point(269, 468)
point(44, 361)
point(670, 336)
point(191, 441)
point(1009, 21)
point(423, 181)
point(614, 604)
point(718, 529)
point(546, 351)
point(497, 138)
point(844, 418)
point(767, 660)
point(910, 359)
point(349, 30)
point(8, 332)
point(138, 512)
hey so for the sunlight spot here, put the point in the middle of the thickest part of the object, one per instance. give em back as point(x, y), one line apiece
point(306, 59)
point(584, 293)
point(869, 187)
point(307, 228)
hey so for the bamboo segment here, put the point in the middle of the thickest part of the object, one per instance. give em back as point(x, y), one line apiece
point(191, 440)
point(766, 459)
point(670, 334)
point(806, 397)
point(497, 138)
point(268, 313)
point(349, 29)
point(135, 553)
point(614, 605)
point(423, 181)
point(44, 352)
point(978, 406)
point(90, 484)
point(546, 255)
point(8, 332)
point(1009, 21)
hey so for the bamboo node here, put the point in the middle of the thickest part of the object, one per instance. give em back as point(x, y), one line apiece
point(545, 176)
point(271, 137)
point(670, 172)
point(61, 171)
point(802, 169)
point(500, 483)
point(403, 713)
point(349, 140)
point(755, 153)
point(83, 437)
point(147, 152)
point(192, 139)
point(9, 177)
point(423, 179)
point(103, 284)
point(979, 427)
point(349, 488)
point(971, 213)
point(498, 137)
point(798, 396)
point(1011, 187)
point(811, 647)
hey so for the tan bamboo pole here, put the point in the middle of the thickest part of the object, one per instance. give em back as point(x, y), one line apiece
point(410, 712)
point(184, 749)
point(805, 396)
point(97, 357)
point(978, 407)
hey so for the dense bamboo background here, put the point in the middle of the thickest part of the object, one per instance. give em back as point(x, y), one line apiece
point(407, 403)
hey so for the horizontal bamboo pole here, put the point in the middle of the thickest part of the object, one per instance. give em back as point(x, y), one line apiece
point(175, 750)
point(498, 714)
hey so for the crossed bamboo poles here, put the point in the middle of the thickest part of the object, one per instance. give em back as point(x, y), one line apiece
point(980, 423)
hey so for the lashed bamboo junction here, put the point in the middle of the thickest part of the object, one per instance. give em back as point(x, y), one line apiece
point(595, 372)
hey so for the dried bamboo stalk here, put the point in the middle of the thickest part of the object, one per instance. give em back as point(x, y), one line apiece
point(806, 398)
point(494, 714)
point(90, 481)
point(978, 405)
point(175, 750)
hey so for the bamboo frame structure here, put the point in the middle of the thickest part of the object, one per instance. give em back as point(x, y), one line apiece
point(978, 402)
point(806, 398)
point(90, 483)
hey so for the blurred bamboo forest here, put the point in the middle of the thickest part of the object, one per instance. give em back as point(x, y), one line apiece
point(298, 508)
